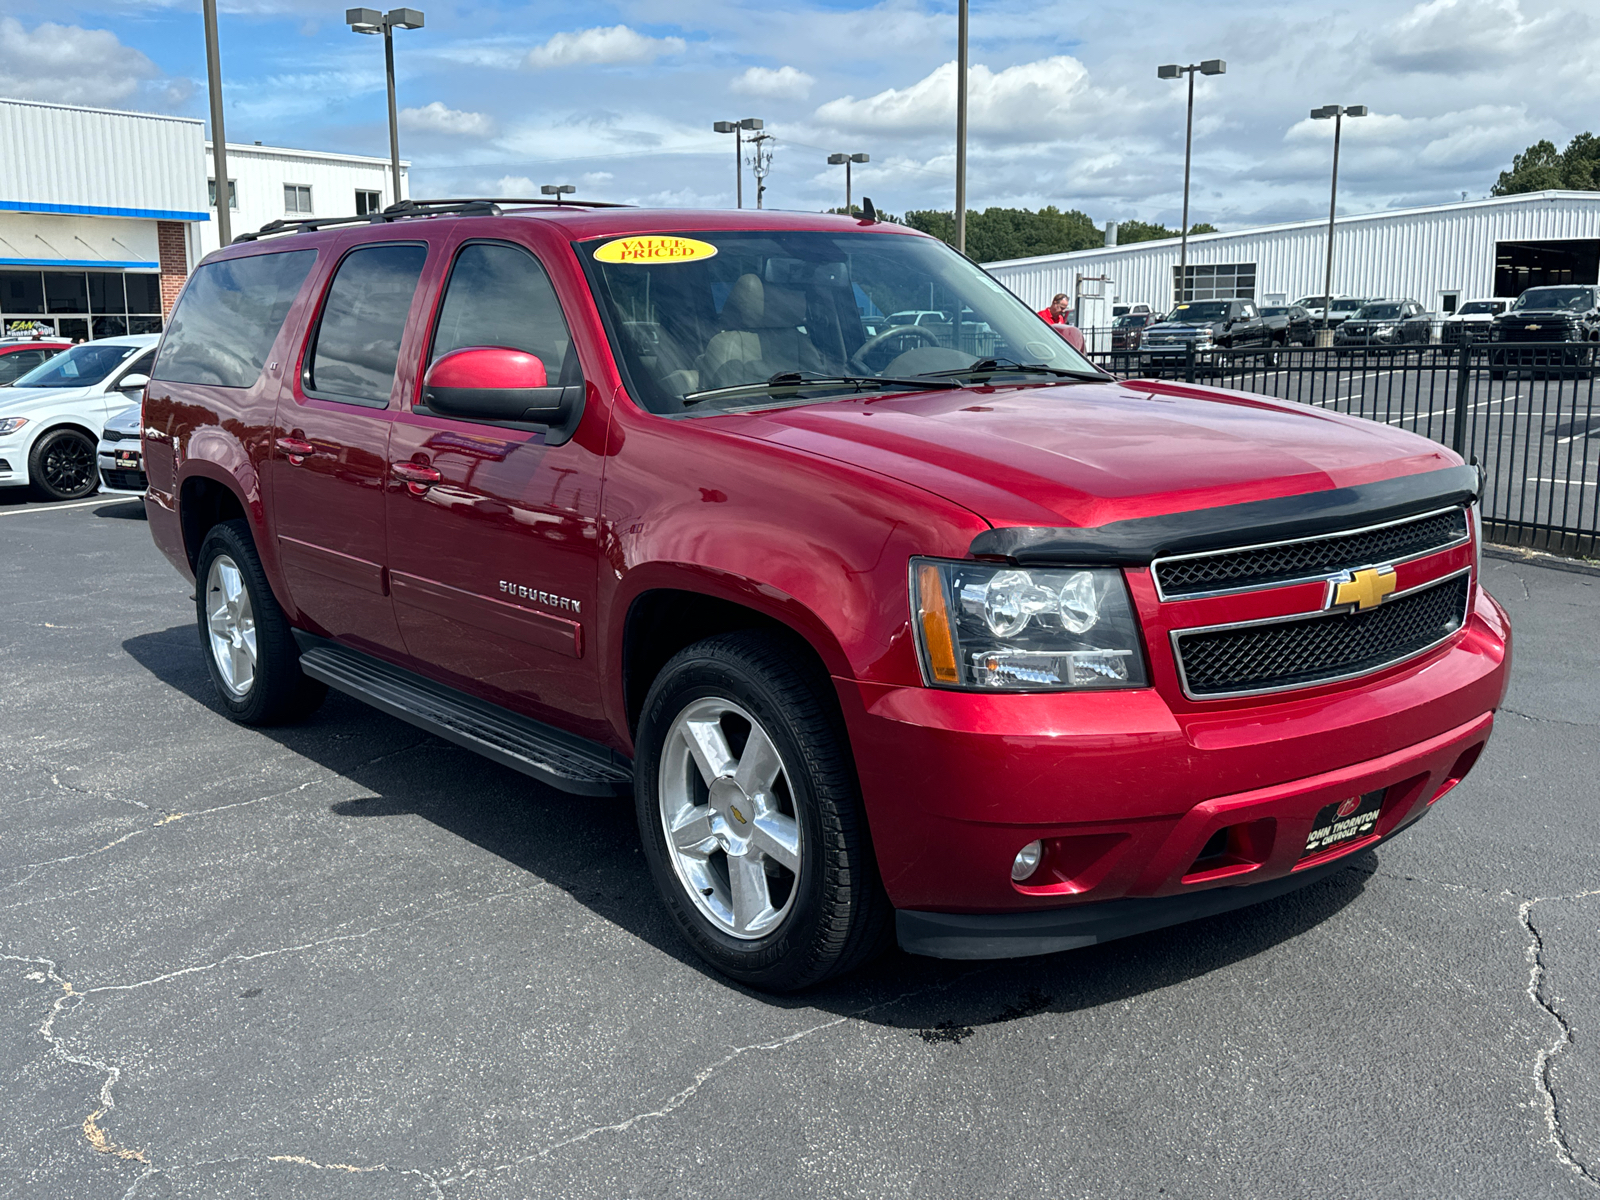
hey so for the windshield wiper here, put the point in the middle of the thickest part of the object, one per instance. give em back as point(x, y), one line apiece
point(796, 379)
point(1008, 366)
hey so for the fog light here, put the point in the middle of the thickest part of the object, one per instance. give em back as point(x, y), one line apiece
point(1027, 861)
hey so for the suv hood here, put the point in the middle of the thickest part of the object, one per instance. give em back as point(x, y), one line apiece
point(1089, 454)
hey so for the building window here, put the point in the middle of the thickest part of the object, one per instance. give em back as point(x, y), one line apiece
point(79, 304)
point(233, 193)
point(1226, 281)
point(368, 202)
point(296, 198)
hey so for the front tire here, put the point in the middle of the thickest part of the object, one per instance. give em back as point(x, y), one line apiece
point(244, 634)
point(751, 816)
point(62, 465)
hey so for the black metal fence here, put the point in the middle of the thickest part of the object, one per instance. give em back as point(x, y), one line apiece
point(1526, 414)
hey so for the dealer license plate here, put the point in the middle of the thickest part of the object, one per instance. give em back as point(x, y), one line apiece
point(128, 458)
point(1344, 821)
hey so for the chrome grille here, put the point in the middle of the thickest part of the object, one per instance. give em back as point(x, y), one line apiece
point(1322, 648)
point(1309, 558)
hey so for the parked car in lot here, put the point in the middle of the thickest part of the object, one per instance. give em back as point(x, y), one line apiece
point(1289, 324)
point(1127, 331)
point(1568, 315)
point(1131, 310)
point(50, 418)
point(992, 653)
point(121, 455)
point(1341, 310)
point(1473, 321)
point(1207, 325)
point(1386, 323)
point(18, 356)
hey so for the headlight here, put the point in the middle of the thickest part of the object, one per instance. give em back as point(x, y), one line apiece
point(989, 627)
point(11, 424)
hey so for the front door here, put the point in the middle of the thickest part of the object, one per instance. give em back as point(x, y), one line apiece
point(329, 460)
point(492, 533)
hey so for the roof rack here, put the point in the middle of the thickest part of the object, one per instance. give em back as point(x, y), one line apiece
point(471, 207)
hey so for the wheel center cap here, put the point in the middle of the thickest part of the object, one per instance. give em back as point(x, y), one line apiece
point(732, 814)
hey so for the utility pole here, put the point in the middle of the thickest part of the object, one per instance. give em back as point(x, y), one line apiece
point(1211, 66)
point(737, 128)
point(219, 140)
point(760, 163)
point(961, 127)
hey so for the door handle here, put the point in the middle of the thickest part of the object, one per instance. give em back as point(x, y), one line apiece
point(418, 477)
point(296, 450)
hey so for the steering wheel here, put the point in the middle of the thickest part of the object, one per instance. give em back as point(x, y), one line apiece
point(858, 360)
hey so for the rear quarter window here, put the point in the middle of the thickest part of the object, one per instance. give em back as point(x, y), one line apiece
point(230, 314)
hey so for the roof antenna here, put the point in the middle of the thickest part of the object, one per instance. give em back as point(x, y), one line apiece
point(868, 213)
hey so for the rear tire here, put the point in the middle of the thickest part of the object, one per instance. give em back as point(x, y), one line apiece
point(245, 636)
point(768, 868)
point(62, 465)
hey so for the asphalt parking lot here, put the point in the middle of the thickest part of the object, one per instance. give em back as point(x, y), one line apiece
point(345, 959)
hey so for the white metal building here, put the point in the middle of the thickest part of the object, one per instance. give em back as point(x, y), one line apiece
point(1439, 256)
point(104, 213)
point(268, 183)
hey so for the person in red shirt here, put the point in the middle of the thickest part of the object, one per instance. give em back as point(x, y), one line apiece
point(1056, 317)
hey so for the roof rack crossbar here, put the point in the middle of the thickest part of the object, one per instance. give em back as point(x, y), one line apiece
point(474, 206)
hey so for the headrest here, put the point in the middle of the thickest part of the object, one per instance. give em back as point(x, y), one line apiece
point(754, 305)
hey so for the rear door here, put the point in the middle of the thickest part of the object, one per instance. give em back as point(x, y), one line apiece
point(492, 533)
point(329, 461)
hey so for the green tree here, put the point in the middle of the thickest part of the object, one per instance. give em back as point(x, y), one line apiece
point(1143, 231)
point(1541, 167)
point(1001, 233)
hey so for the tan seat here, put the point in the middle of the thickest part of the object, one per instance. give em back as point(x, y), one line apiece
point(760, 336)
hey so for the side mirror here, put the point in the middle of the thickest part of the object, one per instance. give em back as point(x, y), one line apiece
point(496, 383)
point(133, 383)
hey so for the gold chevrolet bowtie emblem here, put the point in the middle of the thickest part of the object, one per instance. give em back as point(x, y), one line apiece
point(1366, 588)
point(739, 816)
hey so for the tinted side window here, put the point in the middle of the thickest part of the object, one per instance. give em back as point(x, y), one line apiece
point(229, 317)
point(358, 340)
point(499, 295)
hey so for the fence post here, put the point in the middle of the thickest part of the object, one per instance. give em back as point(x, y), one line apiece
point(1188, 361)
point(1458, 438)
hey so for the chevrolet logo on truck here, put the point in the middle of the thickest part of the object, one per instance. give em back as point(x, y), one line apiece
point(1366, 588)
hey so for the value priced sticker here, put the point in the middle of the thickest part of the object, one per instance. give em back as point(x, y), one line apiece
point(655, 248)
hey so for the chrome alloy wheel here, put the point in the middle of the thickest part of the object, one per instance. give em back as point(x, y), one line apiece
point(728, 813)
point(230, 625)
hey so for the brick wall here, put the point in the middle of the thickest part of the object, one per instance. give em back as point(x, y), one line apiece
point(174, 253)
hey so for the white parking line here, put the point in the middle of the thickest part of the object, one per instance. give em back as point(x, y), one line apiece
point(22, 512)
point(1564, 482)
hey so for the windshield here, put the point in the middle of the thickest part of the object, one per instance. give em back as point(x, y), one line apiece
point(738, 310)
point(1578, 299)
point(1274, 311)
point(1205, 310)
point(1309, 302)
point(1379, 312)
point(1473, 308)
point(1347, 305)
point(1131, 321)
point(77, 367)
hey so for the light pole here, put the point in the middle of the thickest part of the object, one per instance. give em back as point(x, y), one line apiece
point(1338, 114)
point(370, 20)
point(1211, 66)
point(835, 159)
point(557, 190)
point(219, 140)
point(737, 128)
point(961, 126)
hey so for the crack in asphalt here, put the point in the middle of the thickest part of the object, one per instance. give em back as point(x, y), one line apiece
point(1544, 1065)
point(1549, 720)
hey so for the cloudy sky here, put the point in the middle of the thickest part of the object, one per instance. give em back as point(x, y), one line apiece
point(618, 96)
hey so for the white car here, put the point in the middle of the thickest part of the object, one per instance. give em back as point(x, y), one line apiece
point(122, 454)
point(1473, 320)
point(51, 418)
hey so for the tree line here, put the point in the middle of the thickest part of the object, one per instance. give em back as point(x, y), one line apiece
point(1543, 168)
point(996, 234)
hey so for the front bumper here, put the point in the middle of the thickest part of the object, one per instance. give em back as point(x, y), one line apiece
point(14, 456)
point(1127, 791)
point(121, 475)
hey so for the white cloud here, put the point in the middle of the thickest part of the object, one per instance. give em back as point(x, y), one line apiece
point(595, 179)
point(1034, 102)
point(590, 47)
point(436, 118)
point(781, 83)
point(65, 64)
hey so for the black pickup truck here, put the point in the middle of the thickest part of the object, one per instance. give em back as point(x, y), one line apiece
point(1547, 328)
point(1207, 325)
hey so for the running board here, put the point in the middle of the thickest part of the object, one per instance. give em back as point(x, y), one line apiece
point(552, 756)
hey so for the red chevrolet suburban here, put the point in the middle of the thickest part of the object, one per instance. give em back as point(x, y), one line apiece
point(928, 631)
